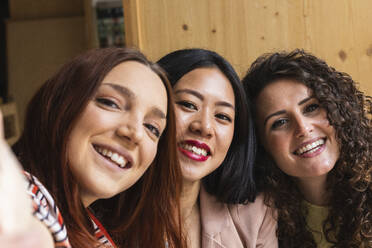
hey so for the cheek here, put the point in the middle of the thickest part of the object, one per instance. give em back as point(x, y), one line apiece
point(75, 143)
point(226, 135)
point(323, 121)
point(182, 121)
point(148, 153)
point(277, 146)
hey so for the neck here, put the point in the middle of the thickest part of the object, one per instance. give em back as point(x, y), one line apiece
point(314, 190)
point(87, 199)
point(189, 197)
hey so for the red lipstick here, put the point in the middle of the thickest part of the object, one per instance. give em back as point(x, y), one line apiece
point(186, 148)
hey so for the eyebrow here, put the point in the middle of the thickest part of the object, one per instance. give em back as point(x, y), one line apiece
point(283, 111)
point(192, 92)
point(157, 112)
point(125, 92)
point(201, 97)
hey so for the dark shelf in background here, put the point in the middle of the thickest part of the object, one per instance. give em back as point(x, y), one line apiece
point(4, 14)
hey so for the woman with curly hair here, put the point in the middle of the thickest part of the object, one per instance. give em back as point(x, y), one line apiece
point(314, 157)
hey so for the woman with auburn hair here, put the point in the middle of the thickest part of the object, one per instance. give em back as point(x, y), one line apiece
point(216, 147)
point(314, 159)
point(91, 137)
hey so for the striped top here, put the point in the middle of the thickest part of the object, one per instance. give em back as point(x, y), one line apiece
point(48, 213)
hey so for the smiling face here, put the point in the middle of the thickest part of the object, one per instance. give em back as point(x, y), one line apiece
point(115, 139)
point(205, 111)
point(295, 130)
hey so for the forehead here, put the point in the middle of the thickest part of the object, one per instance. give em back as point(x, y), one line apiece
point(207, 81)
point(280, 95)
point(144, 83)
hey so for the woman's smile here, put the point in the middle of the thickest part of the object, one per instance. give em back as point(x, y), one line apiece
point(311, 148)
point(295, 130)
point(120, 159)
point(195, 150)
point(115, 139)
point(205, 111)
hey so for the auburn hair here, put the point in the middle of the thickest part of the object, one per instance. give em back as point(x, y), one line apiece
point(145, 215)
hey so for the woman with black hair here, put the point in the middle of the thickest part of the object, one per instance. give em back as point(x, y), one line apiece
point(314, 158)
point(216, 147)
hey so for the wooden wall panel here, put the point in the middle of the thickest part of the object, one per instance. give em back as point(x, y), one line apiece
point(334, 30)
point(362, 43)
point(229, 27)
point(35, 9)
point(36, 50)
point(338, 31)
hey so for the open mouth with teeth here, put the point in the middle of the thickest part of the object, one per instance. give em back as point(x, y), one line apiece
point(194, 150)
point(113, 157)
point(312, 148)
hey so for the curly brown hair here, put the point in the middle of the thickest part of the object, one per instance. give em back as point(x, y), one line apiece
point(349, 222)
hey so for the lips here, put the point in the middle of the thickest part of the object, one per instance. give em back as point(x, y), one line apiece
point(311, 148)
point(121, 159)
point(195, 150)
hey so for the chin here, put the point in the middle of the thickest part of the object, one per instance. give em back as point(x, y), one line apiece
point(190, 177)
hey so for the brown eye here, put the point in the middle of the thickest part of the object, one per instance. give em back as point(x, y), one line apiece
point(223, 117)
point(153, 129)
point(278, 123)
point(311, 108)
point(187, 105)
point(107, 102)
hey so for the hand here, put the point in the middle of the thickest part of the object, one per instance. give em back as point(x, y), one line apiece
point(26, 240)
point(15, 210)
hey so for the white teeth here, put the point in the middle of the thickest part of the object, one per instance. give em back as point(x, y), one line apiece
point(309, 147)
point(194, 149)
point(115, 157)
point(120, 160)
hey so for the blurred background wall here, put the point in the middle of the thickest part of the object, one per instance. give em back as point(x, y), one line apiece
point(38, 36)
point(337, 31)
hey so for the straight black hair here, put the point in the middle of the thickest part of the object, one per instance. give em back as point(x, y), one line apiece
point(232, 182)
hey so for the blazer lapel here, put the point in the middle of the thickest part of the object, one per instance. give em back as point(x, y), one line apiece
point(218, 230)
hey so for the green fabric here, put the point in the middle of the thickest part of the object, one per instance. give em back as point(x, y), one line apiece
point(316, 216)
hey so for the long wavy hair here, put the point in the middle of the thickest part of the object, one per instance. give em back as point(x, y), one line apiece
point(349, 222)
point(145, 215)
point(232, 182)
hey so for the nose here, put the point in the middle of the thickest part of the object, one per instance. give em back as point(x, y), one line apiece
point(202, 124)
point(303, 127)
point(131, 128)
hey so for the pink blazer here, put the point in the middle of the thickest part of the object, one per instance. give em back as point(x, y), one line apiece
point(236, 226)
